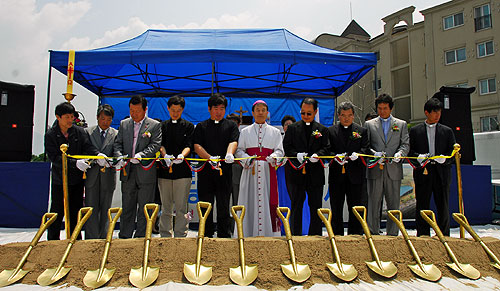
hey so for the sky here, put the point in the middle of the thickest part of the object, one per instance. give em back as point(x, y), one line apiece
point(29, 28)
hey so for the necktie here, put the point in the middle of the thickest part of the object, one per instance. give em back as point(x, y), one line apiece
point(103, 136)
point(137, 127)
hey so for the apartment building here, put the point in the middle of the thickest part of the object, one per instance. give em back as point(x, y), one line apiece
point(456, 45)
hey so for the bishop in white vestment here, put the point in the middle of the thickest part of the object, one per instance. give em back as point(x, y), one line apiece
point(258, 185)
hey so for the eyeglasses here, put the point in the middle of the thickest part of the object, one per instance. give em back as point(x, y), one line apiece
point(306, 113)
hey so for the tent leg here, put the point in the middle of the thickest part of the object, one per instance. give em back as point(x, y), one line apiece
point(48, 106)
point(213, 72)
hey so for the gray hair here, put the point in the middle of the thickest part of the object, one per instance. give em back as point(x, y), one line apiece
point(346, 105)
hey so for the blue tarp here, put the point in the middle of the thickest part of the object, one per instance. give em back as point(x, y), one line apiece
point(270, 64)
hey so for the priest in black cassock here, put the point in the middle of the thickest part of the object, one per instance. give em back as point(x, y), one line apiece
point(347, 172)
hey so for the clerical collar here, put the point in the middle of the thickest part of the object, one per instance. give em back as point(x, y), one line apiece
point(308, 123)
point(385, 119)
point(174, 120)
point(430, 125)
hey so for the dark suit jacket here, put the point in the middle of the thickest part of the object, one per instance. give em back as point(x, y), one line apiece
point(338, 145)
point(419, 144)
point(295, 142)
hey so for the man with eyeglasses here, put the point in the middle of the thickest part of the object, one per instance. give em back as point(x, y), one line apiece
point(307, 140)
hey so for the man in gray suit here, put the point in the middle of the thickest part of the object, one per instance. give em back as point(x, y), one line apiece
point(138, 137)
point(388, 138)
point(101, 181)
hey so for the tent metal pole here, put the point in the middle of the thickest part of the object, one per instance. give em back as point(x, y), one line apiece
point(48, 106)
point(213, 72)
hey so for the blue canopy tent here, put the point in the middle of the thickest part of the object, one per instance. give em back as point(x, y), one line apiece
point(243, 64)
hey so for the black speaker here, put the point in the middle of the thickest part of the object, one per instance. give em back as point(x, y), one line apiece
point(17, 103)
point(457, 115)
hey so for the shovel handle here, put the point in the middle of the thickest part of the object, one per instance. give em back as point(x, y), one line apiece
point(397, 217)
point(203, 217)
point(462, 220)
point(239, 220)
point(326, 220)
point(362, 219)
point(430, 217)
point(112, 221)
point(47, 220)
point(283, 218)
point(150, 219)
point(83, 215)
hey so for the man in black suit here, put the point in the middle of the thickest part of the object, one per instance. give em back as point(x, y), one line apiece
point(306, 139)
point(346, 174)
point(431, 138)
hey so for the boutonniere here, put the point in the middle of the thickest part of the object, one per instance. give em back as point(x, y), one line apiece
point(355, 135)
point(395, 128)
point(146, 134)
point(316, 134)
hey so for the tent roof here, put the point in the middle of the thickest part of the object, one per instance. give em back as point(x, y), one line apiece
point(232, 61)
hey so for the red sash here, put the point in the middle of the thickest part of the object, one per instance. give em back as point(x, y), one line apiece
point(273, 195)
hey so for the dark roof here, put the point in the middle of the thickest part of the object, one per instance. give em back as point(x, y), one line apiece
point(354, 28)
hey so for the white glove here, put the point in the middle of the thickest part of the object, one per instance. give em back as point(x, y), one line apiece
point(378, 154)
point(135, 159)
point(179, 159)
point(440, 160)
point(340, 158)
point(397, 157)
point(119, 163)
point(354, 156)
point(229, 158)
point(214, 158)
point(271, 159)
point(421, 158)
point(300, 157)
point(314, 158)
point(82, 165)
point(102, 162)
point(168, 160)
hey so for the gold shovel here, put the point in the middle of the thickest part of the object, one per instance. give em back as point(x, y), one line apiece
point(53, 275)
point(462, 220)
point(8, 277)
point(428, 272)
point(144, 276)
point(197, 273)
point(97, 278)
point(466, 270)
point(344, 272)
point(385, 269)
point(294, 271)
point(243, 274)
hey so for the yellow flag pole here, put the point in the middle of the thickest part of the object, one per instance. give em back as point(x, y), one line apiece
point(64, 148)
point(70, 73)
point(459, 186)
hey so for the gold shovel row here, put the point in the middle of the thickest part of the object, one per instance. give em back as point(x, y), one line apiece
point(246, 274)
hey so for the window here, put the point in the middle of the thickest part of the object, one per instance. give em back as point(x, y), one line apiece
point(485, 49)
point(453, 20)
point(460, 85)
point(482, 17)
point(377, 54)
point(455, 56)
point(487, 86)
point(489, 123)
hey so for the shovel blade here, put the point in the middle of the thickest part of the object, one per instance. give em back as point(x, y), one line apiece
point(5, 277)
point(50, 276)
point(347, 274)
point(429, 272)
point(303, 272)
point(243, 278)
point(92, 279)
point(388, 269)
point(465, 270)
point(203, 277)
point(138, 281)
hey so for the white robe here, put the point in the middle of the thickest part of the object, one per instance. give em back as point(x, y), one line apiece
point(255, 187)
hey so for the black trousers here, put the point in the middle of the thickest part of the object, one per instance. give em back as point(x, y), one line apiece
point(297, 194)
point(423, 191)
point(75, 202)
point(341, 189)
point(212, 186)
